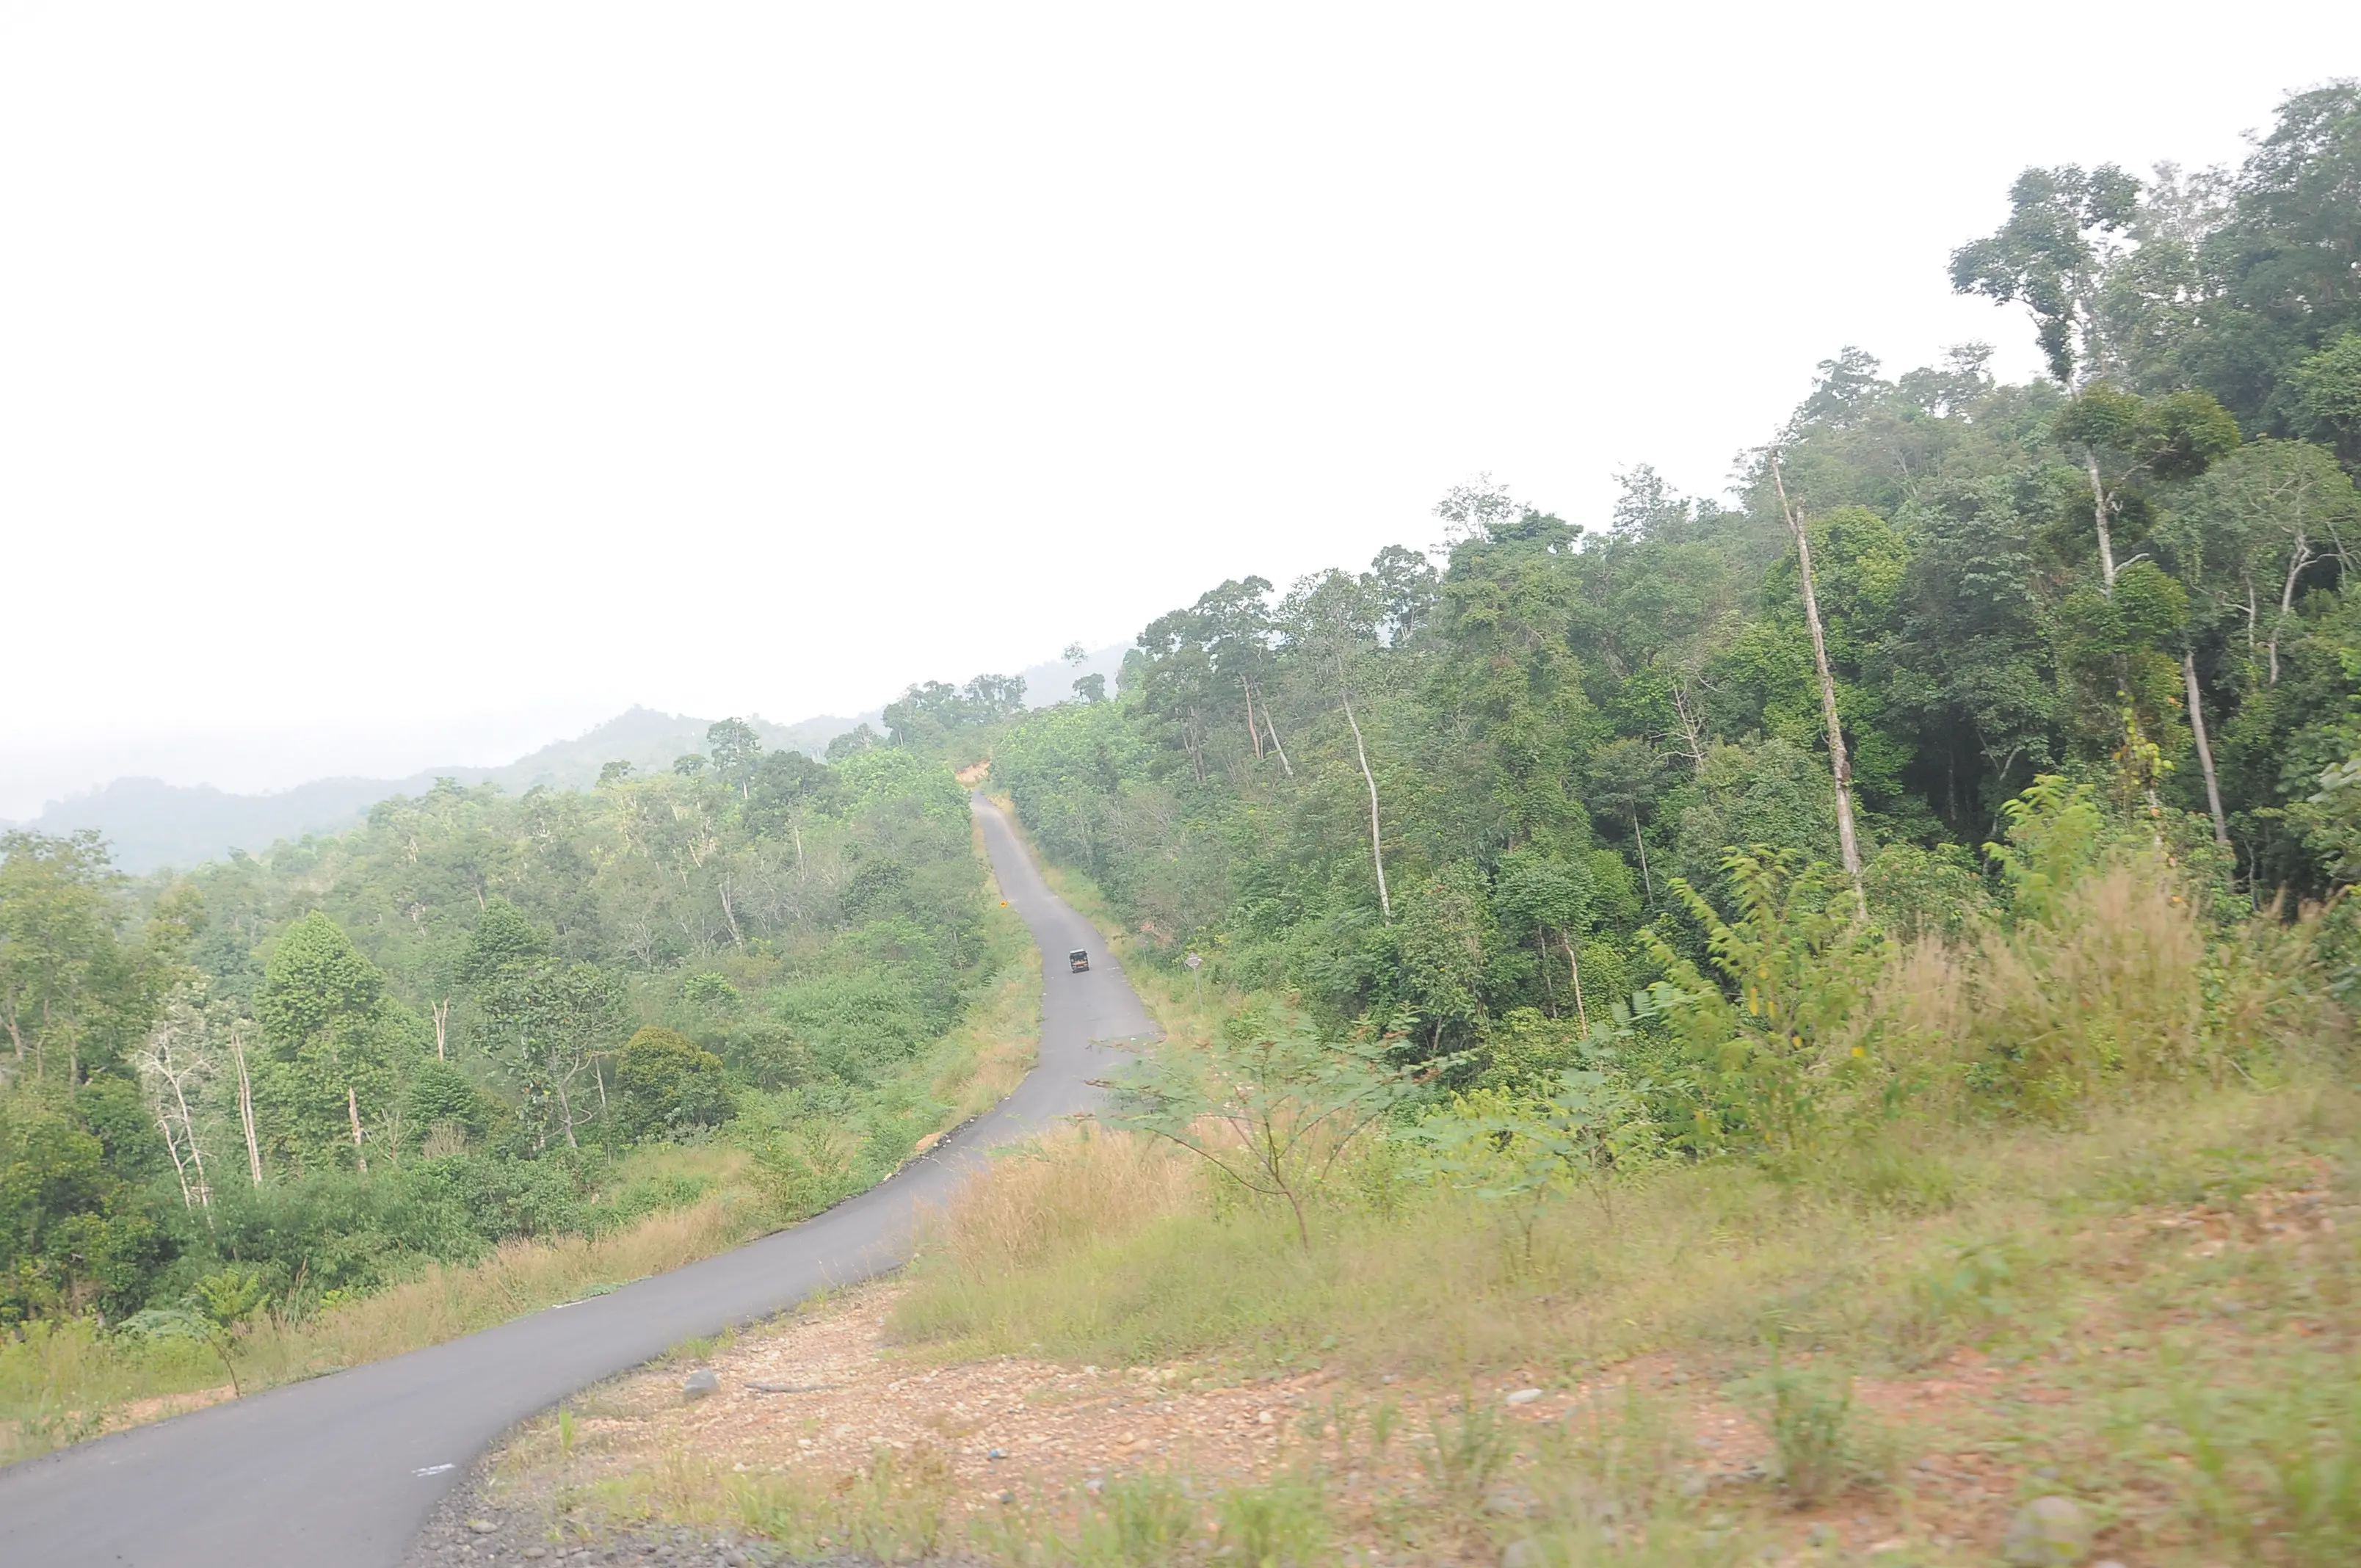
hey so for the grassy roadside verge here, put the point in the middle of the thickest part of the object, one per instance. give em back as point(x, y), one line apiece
point(66, 1382)
point(2145, 1316)
point(2152, 1316)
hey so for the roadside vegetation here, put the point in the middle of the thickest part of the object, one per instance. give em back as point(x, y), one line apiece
point(1956, 1292)
point(297, 1110)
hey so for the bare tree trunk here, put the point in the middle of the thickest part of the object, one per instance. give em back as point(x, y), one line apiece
point(1253, 733)
point(566, 1109)
point(1839, 762)
point(442, 1029)
point(2296, 562)
point(2204, 748)
point(2099, 515)
point(1692, 733)
point(172, 1147)
point(1640, 838)
point(722, 892)
point(1275, 746)
point(1574, 965)
point(246, 1108)
point(196, 1155)
point(353, 1109)
point(1376, 843)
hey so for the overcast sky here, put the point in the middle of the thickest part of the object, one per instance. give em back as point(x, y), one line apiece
point(390, 386)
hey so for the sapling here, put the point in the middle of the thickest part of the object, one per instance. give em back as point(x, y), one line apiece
point(1289, 1106)
point(224, 1303)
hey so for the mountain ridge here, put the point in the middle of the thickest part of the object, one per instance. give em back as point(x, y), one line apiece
point(149, 824)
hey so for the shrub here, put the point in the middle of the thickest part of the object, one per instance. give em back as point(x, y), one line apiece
point(441, 1096)
point(1776, 1054)
point(668, 1086)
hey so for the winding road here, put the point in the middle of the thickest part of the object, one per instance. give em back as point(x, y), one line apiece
point(342, 1470)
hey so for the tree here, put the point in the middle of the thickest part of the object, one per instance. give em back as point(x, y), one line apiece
point(1840, 760)
point(2065, 227)
point(323, 1011)
point(669, 1086)
point(1625, 778)
point(548, 1022)
point(1548, 898)
point(1443, 938)
point(1288, 1105)
point(2253, 528)
point(2327, 388)
point(172, 1063)
point(2126, 440)
point(2279, 275)
point(1330, 620)
point(71, 992)
point(737, 752)
point(857, 739)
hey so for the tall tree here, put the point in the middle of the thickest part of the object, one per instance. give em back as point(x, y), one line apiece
point(2065, 225)
point(1330, 620)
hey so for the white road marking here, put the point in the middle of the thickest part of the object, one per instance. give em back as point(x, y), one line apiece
point(434, 1470)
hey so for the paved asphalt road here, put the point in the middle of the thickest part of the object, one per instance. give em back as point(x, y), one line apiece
point(340, 1472)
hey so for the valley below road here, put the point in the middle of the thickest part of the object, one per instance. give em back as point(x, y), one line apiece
point(346, 1469)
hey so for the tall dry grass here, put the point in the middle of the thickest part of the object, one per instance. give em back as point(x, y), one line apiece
point(1112, 1251)
point(1045, 1200)
point(2123, 986)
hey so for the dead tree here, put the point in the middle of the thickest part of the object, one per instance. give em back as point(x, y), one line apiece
point(1840, 764)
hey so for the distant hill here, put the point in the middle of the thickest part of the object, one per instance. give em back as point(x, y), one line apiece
point(1054, 682)
point(150, 823)
point(647, 740)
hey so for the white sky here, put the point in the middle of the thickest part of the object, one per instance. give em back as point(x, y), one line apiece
point(383, 386)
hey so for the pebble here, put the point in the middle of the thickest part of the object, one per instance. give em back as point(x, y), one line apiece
point(701, 1385)
point(1525, 1395)
point(482, 1526)
point(1524, 1554)
point(2047, 1532)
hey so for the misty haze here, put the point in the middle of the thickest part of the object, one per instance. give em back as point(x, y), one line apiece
point(1296, 787)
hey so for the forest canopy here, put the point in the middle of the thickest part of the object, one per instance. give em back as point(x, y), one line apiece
point(1433, 792)
point(325, 1065)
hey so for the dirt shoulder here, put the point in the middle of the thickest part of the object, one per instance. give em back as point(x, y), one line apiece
point(820, 1400)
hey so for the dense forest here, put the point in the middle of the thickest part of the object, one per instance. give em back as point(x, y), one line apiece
point(1431, 795)
point(311, 1071)
point(1947, 641)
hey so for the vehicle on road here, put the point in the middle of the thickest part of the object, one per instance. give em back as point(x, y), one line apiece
point(1079, 959)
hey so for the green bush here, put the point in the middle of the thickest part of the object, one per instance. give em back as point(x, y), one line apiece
point(669, 1087)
